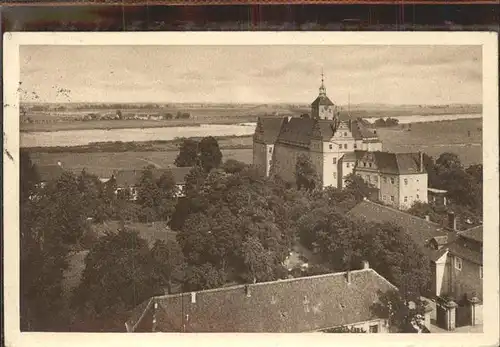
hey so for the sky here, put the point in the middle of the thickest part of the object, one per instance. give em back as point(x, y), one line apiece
point(252, 74)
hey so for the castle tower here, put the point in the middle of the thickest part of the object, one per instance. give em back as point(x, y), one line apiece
point(323, 107)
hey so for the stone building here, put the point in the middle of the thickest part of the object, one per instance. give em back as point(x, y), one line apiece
point(337, 147)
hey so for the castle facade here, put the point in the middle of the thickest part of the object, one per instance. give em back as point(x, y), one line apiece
point(336, 149)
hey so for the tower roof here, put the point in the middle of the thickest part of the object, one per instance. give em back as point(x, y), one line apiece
point(322, 99)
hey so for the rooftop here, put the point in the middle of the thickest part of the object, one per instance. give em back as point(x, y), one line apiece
point(475, 233)
point(394, 163)
point(269, 128)
point(304, 304)
point(420, 230)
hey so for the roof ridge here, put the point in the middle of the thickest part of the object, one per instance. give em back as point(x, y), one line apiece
point(333, 274)
point(401, 212)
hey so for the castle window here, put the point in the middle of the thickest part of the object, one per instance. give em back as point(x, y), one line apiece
point(364, 164)
point(370, 164)
point(335, 175)
point(345, 134)
point(392, 198)
point(418, 197)
point(406, 199)
point(375, 178)
point(340, 146)
point(385, 179)
point(406, 181)
point(345, 145)
point(331, 146)
point(346, 164)
point(384, 197)
point(392, 180)
point(334, 160)
point(355, 146)
point(458, 263)
point(270, 150)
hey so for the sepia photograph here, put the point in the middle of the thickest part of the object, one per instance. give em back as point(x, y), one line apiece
point(252, 183)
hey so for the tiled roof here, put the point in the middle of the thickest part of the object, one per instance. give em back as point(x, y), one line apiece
point(126, 178)
point(420, 230)
point(460, 249)
point(396, 163)
point(475, 233)
point(322, 100)
point(269, 128)
point(49, 172)
point(296, 305)
point(297, 131)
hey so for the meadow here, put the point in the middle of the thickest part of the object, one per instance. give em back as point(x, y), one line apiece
point(432, 138)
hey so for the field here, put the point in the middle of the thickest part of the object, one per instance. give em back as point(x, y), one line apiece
point(432, 138)
point(52, 118)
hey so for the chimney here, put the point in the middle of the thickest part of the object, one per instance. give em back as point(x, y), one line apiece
point(247, 291)
point(452, 221)
point(421, 155)
point(427, 218)
point(348, 276)
point(193, 297)
point(366, 265)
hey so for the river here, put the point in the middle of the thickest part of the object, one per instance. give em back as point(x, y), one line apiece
point(65, 138)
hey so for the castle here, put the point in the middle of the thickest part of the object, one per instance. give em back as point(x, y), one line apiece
point(336, 149)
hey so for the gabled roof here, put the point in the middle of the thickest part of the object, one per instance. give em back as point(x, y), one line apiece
point(464, 248)
point(420, 230)
point(126, 178)
point(395, 163)
point(269, 128)
point(460, 249)
point(475, 233)
point(297, 131)
point(322, 100)
point(303, 304)
point(48, 173)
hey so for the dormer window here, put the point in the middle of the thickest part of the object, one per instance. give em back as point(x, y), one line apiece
point(345, 133)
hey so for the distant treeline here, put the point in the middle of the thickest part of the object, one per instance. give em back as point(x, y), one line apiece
point(132, 146)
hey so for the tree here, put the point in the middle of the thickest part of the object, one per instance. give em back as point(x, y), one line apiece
point(476, 171)
point(394, 255)
point(360, 189)
point(119, 114)
point(28, 175)
point(168, 262)
point(448, 161)
point(148, 192)
point(188, 154)
point(258, 260)
point(210, 154)
point(233, 166)
point(305, 173)
point(205, 276)
point(338, 240)
point(118, 276)
point(380, 123)
point(405, 316)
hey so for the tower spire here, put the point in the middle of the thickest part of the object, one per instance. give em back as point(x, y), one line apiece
point(322, 89)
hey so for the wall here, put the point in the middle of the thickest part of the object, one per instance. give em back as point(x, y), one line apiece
point(285, 159)
point(260, 157)
point(440, 276)
point(465, 281)
point(269, 158)
point(388, 189)
point(413, 187)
